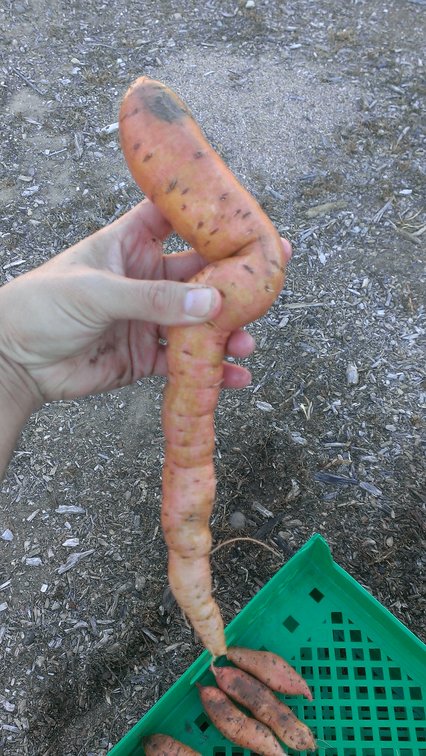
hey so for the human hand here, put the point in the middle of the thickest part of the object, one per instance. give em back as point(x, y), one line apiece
point(91, 318)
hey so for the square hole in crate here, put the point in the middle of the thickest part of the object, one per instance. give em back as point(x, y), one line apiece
point(355, 636)
point(339, 635)
point(337, 618)
point(403, 734)
point(362, 692)
point(340, 653)
point(377, 673)
point(306, 671)
point(375, 654)
point(202, 722)
point(367, 733)
point(364, 712)
point(415, 694)
point(237, 752)
point(309, 712)
point(379, 692)
point(400, 712)
point(348, 733)
point(357, 654)
point(385, 733)
point(329, 733)
point(324, 673)
point(323, 653)
point(421, 734)
point(326, 691)
point(395, 673)
point(344, 691)
point(348, 752)
point(360, 673)
point(290, 623)
point(327, 713)
point(221, 752)
point(342, 673)
point(346, 712)
point(397, 693)
point(369, 752)
point(382, 712)
point(316, 595)
point(419, 713)
point(306, 653)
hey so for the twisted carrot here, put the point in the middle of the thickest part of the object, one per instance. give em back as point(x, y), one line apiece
point(179, 171)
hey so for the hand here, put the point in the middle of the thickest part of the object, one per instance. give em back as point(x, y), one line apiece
point(90, 319)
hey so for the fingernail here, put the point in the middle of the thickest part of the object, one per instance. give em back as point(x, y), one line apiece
point(198, 302)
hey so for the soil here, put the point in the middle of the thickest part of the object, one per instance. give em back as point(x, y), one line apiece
point(317, 108)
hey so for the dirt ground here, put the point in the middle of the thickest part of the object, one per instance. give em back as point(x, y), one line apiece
point(317, 107)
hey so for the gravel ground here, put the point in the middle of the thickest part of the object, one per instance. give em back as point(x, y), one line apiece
point(317, 107)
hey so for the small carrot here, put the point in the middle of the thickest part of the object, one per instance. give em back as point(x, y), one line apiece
point(271, 669)
point(235, 725)
point(265, 706)
point(165, 745)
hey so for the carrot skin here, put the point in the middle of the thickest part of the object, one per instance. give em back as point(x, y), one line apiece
point(271, 669)
point(179, 171)
point(265, 706)
point(165, 745)
point(236, 726)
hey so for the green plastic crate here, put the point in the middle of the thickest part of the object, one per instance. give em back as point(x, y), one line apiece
point(366, 670)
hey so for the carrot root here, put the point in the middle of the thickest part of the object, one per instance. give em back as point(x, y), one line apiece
point(271, 669)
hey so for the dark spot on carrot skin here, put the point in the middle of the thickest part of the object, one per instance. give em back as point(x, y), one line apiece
point(184, 191)
point(199, 154)
point(200, 224)
point(186, 351)
point(161, 104)
point(207, 243)
point(224, 196)
point(136, 146)
point(171, 186)
point(245, 215)
point(147, 157)
point(215, 230)
point(237, 212)
point(129, 115)
point(247, 268)
point(183, 207)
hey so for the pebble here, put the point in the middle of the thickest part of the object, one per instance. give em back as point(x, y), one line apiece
point(7, 535)
point(237, 520)
point(250, 4)
point(352, 377)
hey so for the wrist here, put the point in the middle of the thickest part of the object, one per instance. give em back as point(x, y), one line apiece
point(17, 390)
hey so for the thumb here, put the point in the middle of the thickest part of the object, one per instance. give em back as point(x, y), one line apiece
point(160, 302)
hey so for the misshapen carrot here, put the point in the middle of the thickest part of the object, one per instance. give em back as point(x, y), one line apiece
point(165, 745)
point(178, 170)
point(236, 726)
point(265, 706)
point(271, 669)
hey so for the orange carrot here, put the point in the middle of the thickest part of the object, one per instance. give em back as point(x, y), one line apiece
point(271, 669)
point(236, 726)
point(165, 745)
point(265, 706)
point(179, 171)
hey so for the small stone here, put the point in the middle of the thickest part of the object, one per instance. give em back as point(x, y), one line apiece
point(389, 541)
point(237, 520)
point(250, 4)
point(7, 535)
point(352, 377)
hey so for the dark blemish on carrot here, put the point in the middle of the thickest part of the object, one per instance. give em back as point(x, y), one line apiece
point(162, 105)
point(237, 211)
point(215, 230)
point(136, 146)
point(222, 293)
point(207, 243)
point(171, 186)
point(200, 224)
point(147, 157)
point(282, 268)
point(245, 215)
point(184, 191)
point(199, 154)
point(186, 351)
point(183, 207)
point(247, 268)
point(224, 196)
